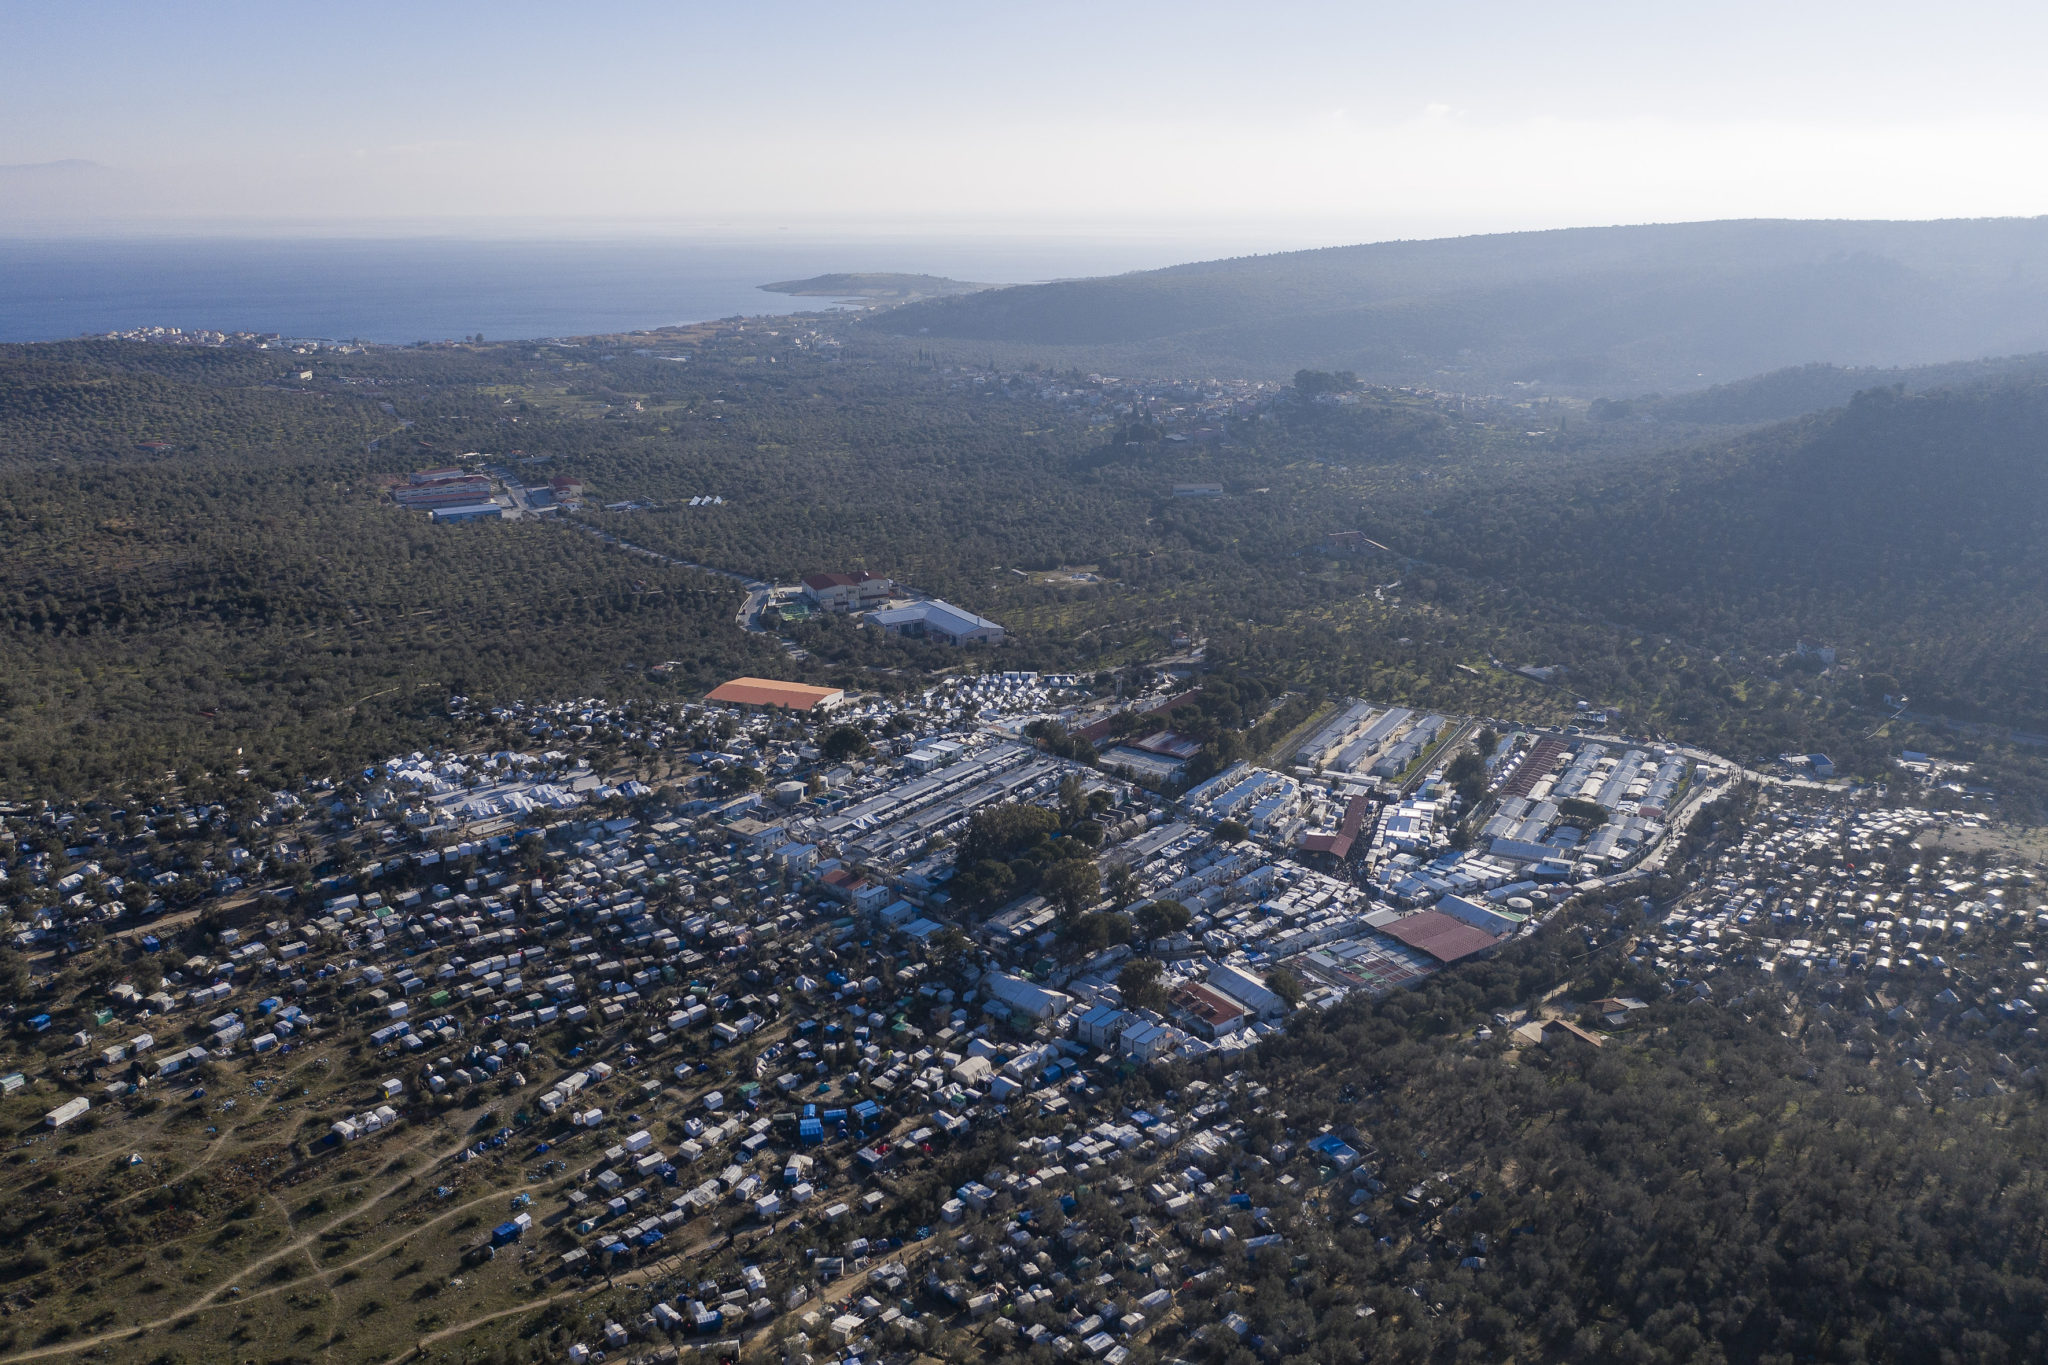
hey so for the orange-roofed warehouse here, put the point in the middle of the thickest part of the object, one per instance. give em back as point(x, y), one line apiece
point(769, 692)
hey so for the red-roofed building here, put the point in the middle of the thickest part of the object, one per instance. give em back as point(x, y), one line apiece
point(856, 591)
point(1170, 745)
point(773, 692)
point(1556, 1033)
point(1208, 1011)
point(1442, 937)
point(1338, 845)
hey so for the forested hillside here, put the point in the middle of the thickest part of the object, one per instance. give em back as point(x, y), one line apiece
point(1726, 1185)
point(1598, 311)
point(1912, 526)
point(1784, 394)
point(238, 592)
point(204, 572)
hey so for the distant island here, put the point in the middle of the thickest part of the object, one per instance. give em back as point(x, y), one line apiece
point(881, 288)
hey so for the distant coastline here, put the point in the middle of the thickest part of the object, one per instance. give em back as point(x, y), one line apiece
point(876, 287)
point(403, 290)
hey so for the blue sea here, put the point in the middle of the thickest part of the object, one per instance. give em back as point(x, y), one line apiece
point(432, 289)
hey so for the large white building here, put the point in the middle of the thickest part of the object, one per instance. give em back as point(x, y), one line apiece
point(936, 620)
point(1026, 998)
point(1242, 986)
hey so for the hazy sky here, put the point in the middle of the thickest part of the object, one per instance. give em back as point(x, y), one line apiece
point(1302, 121)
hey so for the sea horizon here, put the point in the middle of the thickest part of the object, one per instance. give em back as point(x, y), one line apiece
point(399, 290)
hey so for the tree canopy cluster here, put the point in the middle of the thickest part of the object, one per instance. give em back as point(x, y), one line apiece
point(203, 562)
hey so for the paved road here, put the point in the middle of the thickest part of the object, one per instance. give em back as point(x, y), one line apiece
point(514, 489)
point(1767, 779)
point(1436, 752)
point(750, 610)
point(1681, 819)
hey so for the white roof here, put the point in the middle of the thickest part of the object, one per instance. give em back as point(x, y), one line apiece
point(947, 617)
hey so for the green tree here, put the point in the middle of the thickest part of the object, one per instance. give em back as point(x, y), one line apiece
point(987, 880)
point(1157, 919)
point(1074, 885)
point(1139, 982)
point(949, 943)
point(1120, 883)
point(1588, 814)
point(1467, 776)
point(844, 742)
point(1286, 985)
point(1002, 831)
point(1073, 801)
point(1093, 932)
point(13, 974)
point(147, 975)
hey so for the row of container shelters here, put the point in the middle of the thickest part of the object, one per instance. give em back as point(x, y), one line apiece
point(1376, 734)
point(1332, 734)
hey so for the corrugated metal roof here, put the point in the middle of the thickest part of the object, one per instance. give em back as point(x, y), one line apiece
point(770, 692)
point(944, 615)
point(1442, 937)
